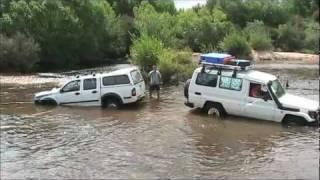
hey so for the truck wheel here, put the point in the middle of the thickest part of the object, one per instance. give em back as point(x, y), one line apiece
point(112, 103)
point(49, 102)
point(214, 109)
point(294, 120)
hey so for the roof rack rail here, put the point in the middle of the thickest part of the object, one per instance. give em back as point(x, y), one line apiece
point(235, 68)
point(237, 64)
point(221, 66)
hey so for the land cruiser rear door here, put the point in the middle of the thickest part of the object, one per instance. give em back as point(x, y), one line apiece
point(259, 104)
point(138, 83)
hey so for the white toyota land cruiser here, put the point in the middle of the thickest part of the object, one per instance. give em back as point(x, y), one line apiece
point(247, 93)
point(107, 89)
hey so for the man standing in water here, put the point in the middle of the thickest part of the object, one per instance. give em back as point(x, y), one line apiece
point(155, 78)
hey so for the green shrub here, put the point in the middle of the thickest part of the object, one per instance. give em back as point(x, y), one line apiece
point(159, 25)
point(145, 51)
point(168, 66)
point(312, 37)
point(236, 45)
point(260, 42)
point(175, 66)
point(291, 38)
point(18, 53)
point(186, 64)
point(258, 35)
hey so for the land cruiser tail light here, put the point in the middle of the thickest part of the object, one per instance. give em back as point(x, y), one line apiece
point(133, 92)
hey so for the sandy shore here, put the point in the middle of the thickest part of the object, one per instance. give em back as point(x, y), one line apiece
point(285, 58)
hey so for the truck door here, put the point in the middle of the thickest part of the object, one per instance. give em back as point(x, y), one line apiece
point(90, 92)
point(70, 93)
point(259, 103)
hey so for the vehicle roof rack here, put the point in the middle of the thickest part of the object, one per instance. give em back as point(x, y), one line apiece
point(221, 67)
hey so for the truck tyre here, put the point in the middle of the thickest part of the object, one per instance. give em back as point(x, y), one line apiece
point(186, 88)
point(49, 102)
point(111, 102)
point(215, 109)
point(294, 120)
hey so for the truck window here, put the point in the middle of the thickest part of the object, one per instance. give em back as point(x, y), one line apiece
point(89, 84)
point(257, 92)
point(206, 79)
point(72, 86)
point(136, 76)
point(230, 83)
point(115, 80)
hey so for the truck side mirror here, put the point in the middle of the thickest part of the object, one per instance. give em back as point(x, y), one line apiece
point(265, 97)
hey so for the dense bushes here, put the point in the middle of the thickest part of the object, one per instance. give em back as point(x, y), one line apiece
point(82, 33)
point(18, 53)
point(202, 30)
point(147, 51)
point(237, 45)
point(70, 33)
point(258, 35)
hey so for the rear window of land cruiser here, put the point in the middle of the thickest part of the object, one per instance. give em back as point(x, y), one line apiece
point(136, 76)
point(206, 79)
point(115, 80)
point(230, 83)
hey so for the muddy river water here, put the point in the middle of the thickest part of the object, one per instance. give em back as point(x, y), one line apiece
point(154, 139)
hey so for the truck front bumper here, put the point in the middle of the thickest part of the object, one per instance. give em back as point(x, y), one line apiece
point(189, 104)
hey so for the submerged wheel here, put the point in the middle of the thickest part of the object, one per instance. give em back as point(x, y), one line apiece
point(49, 102)
point(294, 120)
point(214, 109)
point(112, 102)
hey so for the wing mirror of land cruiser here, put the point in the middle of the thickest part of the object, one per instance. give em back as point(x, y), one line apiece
point(265, 93)
point(266, 97)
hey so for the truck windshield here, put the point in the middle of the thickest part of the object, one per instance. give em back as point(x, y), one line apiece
point(277, 88)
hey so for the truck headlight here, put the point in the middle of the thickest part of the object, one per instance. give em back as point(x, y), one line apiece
point(38, 97)
point(314, 114)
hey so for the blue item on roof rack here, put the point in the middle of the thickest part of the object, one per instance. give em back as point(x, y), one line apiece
point(217, 58)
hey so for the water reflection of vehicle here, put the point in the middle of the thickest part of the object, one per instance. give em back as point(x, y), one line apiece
point(107, 89)
point(229, 90)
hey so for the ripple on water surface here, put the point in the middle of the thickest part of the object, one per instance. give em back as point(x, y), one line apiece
point(153, 139)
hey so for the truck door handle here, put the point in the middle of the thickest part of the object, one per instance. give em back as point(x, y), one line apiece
point(197, 93)
point(77, 93)
point(93, 92)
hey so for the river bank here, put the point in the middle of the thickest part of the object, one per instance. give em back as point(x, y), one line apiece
point(261, 60)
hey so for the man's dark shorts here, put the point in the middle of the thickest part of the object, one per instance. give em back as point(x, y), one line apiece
point(154, 87)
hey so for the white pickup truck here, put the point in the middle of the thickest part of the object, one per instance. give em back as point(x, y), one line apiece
point(247, 93)
point(106, 89)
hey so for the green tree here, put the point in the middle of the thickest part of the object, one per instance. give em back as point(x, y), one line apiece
point(236, 45)
point(145, 51)
point(312, 32)
point(291, 37)
point(258, 35)
point(125, 7)
point(18, 53)
point(203, 31)
point(71, 34)
point(159, 25)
